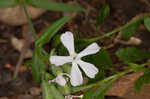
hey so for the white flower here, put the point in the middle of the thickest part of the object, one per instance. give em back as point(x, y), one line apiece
point(74, 58)
point(60, 79)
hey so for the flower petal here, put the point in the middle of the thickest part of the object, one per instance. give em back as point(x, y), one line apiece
point(60, 60)
point(68, 41)
point(91, 49)
point(60, 80)
point(89, 69)
point(76, 75)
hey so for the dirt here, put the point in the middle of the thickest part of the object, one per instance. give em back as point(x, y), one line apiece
point(121, 12)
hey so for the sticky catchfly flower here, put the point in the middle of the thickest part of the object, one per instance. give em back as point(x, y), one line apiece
point(76, 76)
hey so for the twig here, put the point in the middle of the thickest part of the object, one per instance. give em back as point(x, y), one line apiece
point(23, 52)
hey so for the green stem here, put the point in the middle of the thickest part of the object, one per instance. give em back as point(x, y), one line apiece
point(105, 35)
point(137, 18)
point(29, 19)
point(100, 83)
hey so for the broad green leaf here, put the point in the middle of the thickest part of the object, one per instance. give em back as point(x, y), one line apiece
point(37, 66)
point(99, 93)
point(132, 54)
point(55, 6)
point(142, 81)
point(51, 31)
point(8, 3)
point(147, 23)
point(130, 29)
point(104, 12)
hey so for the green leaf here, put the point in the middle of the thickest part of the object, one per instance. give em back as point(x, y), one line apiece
point(142, 81)
point(99, 93)
point(8, 3)
point(46, 90)
point(147, 23)
point(43, 55)
point(104, 12)
point(37, 66)
point(56, 94)
point(130, 29)
point(51, 31)
point(132, 54)
point(49, 89)
point(55, 6)
point(56, 41)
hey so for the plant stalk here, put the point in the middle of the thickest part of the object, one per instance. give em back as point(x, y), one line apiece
point(136, 18)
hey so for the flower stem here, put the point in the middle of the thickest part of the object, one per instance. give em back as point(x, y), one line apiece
point(100, 83)
point(136, 18)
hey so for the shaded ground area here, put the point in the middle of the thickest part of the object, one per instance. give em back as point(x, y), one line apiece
point(84, 22)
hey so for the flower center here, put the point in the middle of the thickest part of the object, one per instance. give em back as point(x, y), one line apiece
point(74, 57)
